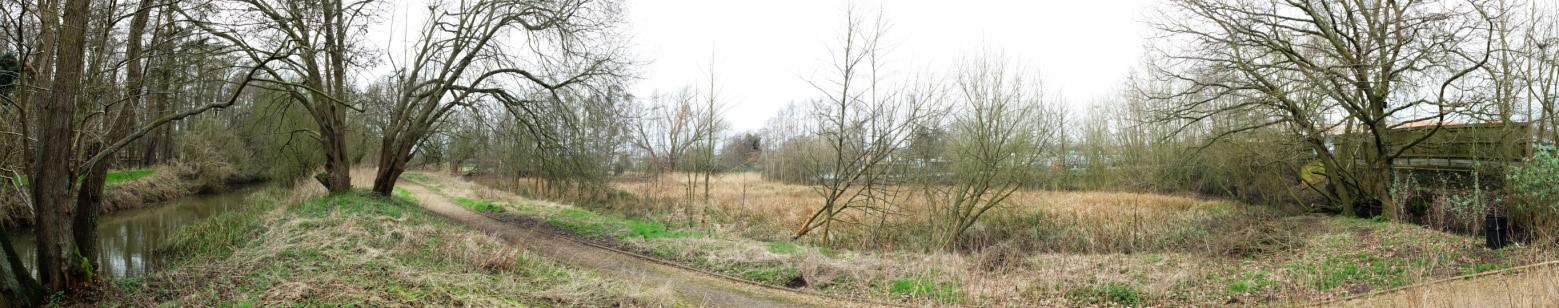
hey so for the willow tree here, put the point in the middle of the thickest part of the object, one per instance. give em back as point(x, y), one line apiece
point(461, 59)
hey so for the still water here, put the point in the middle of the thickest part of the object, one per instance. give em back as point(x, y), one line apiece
point(129, 238)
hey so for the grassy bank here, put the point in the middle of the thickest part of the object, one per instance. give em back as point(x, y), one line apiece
point(135, 188)
point(1047, 248)
point(292, 248)
point(113, 176)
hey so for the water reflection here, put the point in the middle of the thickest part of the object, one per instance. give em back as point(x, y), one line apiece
point(128, 238)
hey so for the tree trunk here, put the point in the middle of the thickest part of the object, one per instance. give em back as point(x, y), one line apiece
point(53, 175)
point(25, 290)
point(394, 153)
point(161, 77)
point(338, 171)
point(159, 102)
point(89, 200)
point(384, 182)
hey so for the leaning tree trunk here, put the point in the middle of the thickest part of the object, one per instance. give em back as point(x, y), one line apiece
point(89, 200)
point(394, 154)
point(386, 177)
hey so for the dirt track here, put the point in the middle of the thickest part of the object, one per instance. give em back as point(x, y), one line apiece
point(692, 286)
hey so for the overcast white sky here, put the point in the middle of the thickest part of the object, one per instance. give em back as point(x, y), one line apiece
point(764, 51)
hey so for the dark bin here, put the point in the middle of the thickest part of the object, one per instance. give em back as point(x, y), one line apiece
point(1496, 231)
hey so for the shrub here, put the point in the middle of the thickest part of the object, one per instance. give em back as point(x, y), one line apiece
point(1119, 293)
point(1536, 184)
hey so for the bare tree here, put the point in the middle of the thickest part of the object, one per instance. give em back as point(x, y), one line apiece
point(1001, 129)
point(1341, 74)
point(670, 127)
point(862, 121)
point(1540, 72)
point(460, 56)
point(313, 37)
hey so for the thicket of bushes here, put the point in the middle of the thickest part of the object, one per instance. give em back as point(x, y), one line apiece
point(1534, 203)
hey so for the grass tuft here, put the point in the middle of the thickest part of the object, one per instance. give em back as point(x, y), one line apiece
point(480, 206)
point(776, 274)
point(946, 292)
point(783, 248)
point(117, 176)
point(1118, 293)
point(651, 230)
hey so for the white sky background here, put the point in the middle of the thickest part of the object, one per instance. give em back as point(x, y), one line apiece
point(764, 51)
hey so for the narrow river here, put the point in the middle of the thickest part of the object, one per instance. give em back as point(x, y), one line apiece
point(129, 238)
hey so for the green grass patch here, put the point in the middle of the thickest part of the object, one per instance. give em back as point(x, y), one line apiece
point(481, 206)
point(589, 223)
point(415, 176)
point(580, 221)
point(578, 214)
point(1364, 269)
point(358, 202)
point(1475, 268)
point(784, 248)
point(403, 194)
point(116, 176)
point(1119, 293)
point(1249, 282)
point(113, 176)
point(650, 229)
point(777, 274)
point(216, 237)
point(926, 288)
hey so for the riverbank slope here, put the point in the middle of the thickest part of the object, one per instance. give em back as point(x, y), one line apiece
point(296, 246)
point(135, 188)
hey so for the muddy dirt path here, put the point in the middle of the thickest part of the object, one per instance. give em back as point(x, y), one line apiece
point(692, 286)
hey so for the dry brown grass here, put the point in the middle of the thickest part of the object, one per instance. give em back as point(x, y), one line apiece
point(1538, 287)
point(1051, 248)
point(1166, 247)
point(1090, 221)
